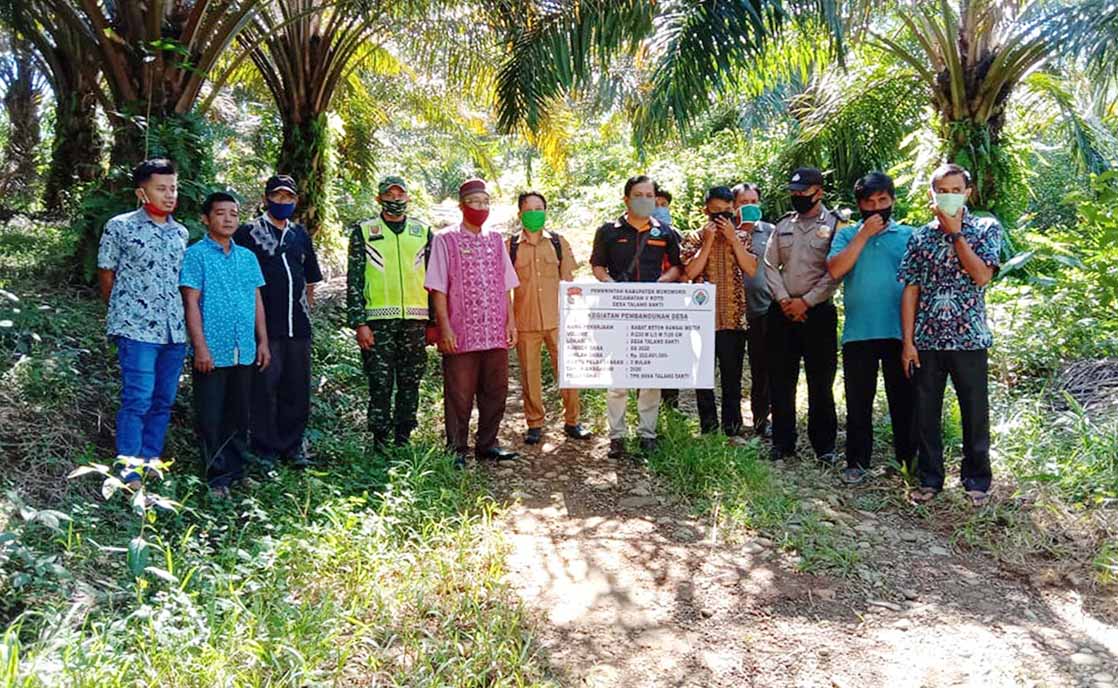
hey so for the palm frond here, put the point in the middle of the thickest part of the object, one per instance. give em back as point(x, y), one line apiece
point(551, 46)
point(1086, 29)
point(1092, 144)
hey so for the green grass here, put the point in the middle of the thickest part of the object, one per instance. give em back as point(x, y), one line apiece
point(306, 582)
point(741, 493)
point(370, 569)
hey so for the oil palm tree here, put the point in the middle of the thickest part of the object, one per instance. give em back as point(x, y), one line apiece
point(73, 72)
point(970, 54)
point(307, 53)
point(155, 57)
point(971, 58)
point(23, 94)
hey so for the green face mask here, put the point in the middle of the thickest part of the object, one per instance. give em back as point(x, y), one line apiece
point(750, 213)
point(533, 220)
point(950, 203)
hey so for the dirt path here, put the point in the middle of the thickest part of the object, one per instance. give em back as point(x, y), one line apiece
point(628, 589)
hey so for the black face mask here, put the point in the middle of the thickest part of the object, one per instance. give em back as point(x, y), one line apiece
point(802, 204)
point(726, 214)
point(885, 214)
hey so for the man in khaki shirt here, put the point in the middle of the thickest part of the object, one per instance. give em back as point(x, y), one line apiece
point(541, 258)
point(802, 320)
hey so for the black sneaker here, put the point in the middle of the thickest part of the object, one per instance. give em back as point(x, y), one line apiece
point(460, 461)
point(498, 454)
point(648, 446)
point(779, 454)
point(577, 432)
point(533, 436)
point(616, 448)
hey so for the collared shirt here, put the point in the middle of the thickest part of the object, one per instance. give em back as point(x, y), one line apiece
point(475, 273)
point(871, 292)
point(228, 284)
point(615, 244)
point(796, 257)
point(289, 264)
point(539, 269)
point(951, 310)
point(145, 304)
point(721, 270)
point(757, 295)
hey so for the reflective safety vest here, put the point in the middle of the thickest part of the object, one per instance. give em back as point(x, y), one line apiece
point(395, 267)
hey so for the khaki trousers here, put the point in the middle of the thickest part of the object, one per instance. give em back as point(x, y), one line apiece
point(648, 411)
point(528, 348)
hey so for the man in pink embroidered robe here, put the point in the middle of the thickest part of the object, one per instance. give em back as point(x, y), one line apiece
point(470, 277)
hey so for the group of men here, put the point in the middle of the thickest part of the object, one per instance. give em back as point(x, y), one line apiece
point(238, 301)
point(913, 302)
point(914, 309)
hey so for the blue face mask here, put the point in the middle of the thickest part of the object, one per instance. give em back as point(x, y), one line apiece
point(281, 211)
point(663, 215)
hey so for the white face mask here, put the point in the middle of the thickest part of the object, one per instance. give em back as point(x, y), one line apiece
point(950, 203)
point(663, 215)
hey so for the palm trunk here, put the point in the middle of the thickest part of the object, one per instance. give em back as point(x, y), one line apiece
point(978, 147)
point(306, 155)
point(21, 102)
point(76, 158)
point(972, 134)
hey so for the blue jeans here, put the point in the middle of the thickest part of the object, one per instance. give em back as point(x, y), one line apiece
point(149, 381)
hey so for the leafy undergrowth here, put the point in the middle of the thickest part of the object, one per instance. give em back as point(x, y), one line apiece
point(1053, 515)
point(366, 570)
point(740, 492)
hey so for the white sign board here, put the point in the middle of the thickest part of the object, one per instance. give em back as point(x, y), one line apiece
point(636, 335)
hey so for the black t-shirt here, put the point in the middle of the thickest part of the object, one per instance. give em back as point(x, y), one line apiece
point(397, 227)
point(288, 263)
point(615, 244)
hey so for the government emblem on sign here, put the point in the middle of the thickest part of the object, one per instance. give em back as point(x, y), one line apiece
point(700, 297)
point(573, 293)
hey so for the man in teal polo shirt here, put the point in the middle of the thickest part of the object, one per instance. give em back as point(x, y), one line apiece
point(865, 258)
point(220, 284)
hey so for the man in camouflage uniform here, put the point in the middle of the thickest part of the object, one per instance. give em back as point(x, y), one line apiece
point(388, 307)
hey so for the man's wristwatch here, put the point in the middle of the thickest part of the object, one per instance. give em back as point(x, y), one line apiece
point(954, 237)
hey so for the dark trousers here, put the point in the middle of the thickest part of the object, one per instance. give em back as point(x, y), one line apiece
point(281, 400)
point(860, 361)
point(729, 352)
point(483, 375)
point(756, 335)
point(816, 342)
point(396, 363)
point(968, 373)
point(221, 411)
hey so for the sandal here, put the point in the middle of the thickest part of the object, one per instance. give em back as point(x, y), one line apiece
point(978, 498)
point(923, 495)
